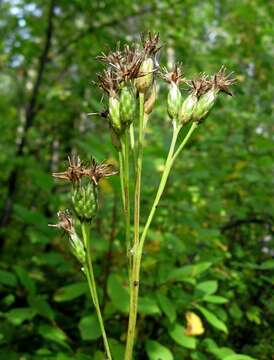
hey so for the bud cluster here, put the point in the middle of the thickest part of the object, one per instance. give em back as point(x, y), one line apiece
point(202, 95)
point(129, 71)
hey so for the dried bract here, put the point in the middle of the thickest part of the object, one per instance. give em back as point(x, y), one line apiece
point(221, 81)
point(174, 76)
point(150, 43)
point(65, 222)
point(98, 171)
point(74, 172)
point(200, 85)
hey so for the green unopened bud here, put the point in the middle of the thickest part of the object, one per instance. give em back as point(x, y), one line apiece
point(174, 101)
point(84, 199)
point(187, 108)
point(145, 79)
point(114, 113)
point(127, 106)
point(77, 247)
point(204, 105)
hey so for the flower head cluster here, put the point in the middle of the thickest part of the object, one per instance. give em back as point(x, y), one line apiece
point(202, 95)
point(129, 70)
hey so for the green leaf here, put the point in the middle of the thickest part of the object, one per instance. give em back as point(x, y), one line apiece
point(41, 306)
point(215, 299)
point(177, 334)
point(238, 357)
point(212, 319)
point(53, 334)
point(70, 292)
point(89, 328)
point(166, 306)
point(118, 294)
point(148, 306)
point(267, 265)
point(116, 349)
point(18, 316)
point(221, 352)
point(156, 351)
point(207, 287)
point(25, 280)
point(7, 278)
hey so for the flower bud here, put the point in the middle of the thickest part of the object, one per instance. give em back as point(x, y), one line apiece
point(174, 101)
point(150, 101)
point(204, 105)
point(84, 199)
point(187, 109)
point(127, 106)
point(77, 248)
point(114, 113)
point(145, 77)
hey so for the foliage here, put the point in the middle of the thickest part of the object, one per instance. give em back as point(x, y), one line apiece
point(210, 248)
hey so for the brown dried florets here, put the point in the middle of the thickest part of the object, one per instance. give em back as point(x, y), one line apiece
point(108, 82)
point(221, 81)
point(97, 171)
point(65, 222)
point(200, 85)
point(174, 76)
point(124, 64)
point(74, 172)
point(150, 43)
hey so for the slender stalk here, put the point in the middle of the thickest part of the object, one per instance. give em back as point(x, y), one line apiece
point(137, 193)
point(121, 172)
point(139, 250)
point(92, 285)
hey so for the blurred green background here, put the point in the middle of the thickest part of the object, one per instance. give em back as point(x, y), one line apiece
point(210, 249)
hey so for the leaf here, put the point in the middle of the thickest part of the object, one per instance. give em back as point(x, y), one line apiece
point(207, 287)
point(212, 319)
point(222, 352)
point(156, 351)
point(215, 299)
point(7, 278)
point(25, 280)
point(148, 306)
point(41, 306)
point(89, 328)
point(70, 292)
point(118, 294)
point(267, 265)
point(166, 306)
point(117, 349)
point(53, 334)
point(177, 334)
point(239, 357)
point(18, 316)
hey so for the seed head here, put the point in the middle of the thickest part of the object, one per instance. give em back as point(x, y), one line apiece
point(221, 82)
point(174, 76)
point(200, 85)
point(74, 172)
point(150, 43)
point(108, 82)
point(97, 171)
point(65, 222)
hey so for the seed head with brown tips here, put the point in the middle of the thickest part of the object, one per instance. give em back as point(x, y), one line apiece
point(74, 172)
point(221, 81)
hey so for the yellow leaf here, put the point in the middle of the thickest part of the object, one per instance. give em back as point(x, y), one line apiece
point(194, 324)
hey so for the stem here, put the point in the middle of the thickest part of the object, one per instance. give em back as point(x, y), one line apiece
point(134, 286)
point(92, 285)
point(139, 250)
point(125, 146)
point(121, 172)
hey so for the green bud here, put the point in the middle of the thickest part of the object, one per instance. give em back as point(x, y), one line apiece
point(84, 199)
point(77, 247)
point(174, 101)
point(187, 108)
point(114, 113)
point(204, 105)
point(127, 106)
point(145, 79)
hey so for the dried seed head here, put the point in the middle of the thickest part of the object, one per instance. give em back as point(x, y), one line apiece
point(98, 171)
point(221, 82)
point(150, 43)
point(200, 85)
point(65, 222)
point(74, 172)
point(108, 82)
point(174, 76)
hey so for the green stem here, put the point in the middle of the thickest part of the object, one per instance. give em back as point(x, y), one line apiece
point(92, 285)
point(137, 194)
point(121, 173)
point(139, 250)
point(125, 141)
